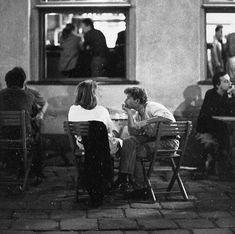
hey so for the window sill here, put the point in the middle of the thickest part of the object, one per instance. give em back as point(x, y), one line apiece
point(70, 81)
point(205, 82)
point(209, 82)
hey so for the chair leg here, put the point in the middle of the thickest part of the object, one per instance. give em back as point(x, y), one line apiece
point(27, 167)
point(176, 176)
point(148, 183)
point(25, 183)
point(77, 189)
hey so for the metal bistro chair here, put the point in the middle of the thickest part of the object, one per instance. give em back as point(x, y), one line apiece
point(16, 139)
point(93, 163)
point(180, 129)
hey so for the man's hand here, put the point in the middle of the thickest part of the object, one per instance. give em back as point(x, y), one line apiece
point(231, 91)
point(39, 116)
point(125, 108)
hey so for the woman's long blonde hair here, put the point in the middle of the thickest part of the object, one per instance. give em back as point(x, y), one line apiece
point(86, 94)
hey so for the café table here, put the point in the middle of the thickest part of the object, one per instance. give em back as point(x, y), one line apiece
point(120, 121)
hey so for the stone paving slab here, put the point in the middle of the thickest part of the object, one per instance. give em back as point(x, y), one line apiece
point(30, 214)
point(176, 231)
point(136, 232)
point(152, 223)
point(103, 232)
point(215, 214)
point(179, 214)
point(79, 224)
point(117, 224)
point(67, 214)
point(138, 213)
point(4, 214)
point(177, 205)
point(212, 231)
point(5, 223)
point(61, 232)
point(105, 213)
point(16, 232)
point(195, 223)
point(36, 224)
point(226, 222)
point(145, 205)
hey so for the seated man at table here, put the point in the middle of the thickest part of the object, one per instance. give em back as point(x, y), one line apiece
point(141, 139)
point(214, 134)
point(14, 97)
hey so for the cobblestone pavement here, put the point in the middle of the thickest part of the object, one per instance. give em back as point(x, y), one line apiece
point(50, 208)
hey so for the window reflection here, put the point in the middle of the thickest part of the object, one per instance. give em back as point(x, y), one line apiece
point(220, 39)
point(111, 24)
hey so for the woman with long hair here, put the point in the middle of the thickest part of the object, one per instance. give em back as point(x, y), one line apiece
point(98, 167)
point(70, 51)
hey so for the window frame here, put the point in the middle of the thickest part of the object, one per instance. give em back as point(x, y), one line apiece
point(47, 7)
point(209, 7)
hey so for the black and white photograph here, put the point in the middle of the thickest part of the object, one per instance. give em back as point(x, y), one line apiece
point(117, 117)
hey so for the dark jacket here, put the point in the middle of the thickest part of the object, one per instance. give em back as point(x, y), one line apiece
point(214, 105)
point(16, 99)
point(95, 40)
point(70, 53)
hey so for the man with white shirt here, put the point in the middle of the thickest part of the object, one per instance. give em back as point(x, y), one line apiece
point(141, 139)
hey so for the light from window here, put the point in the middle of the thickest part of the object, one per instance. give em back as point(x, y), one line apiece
point(220, 43)
point(75, 56)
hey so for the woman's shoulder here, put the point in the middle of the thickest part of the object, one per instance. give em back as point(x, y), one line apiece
point(102, 109)
point(75, 107)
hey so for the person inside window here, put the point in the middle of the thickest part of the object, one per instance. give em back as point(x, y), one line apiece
point(70, 51)
point(218, 56)
point(95, 43)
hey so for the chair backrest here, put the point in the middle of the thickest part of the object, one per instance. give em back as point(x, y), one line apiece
point(13, 129)
point(74, 129)
point(179, 130)
point(87, 129)
point(97, 159)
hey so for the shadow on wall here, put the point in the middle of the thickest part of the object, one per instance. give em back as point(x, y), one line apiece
point(55, 141)
point(57, 112)
point(189, 110)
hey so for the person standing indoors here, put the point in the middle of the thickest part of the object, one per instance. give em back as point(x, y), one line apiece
point(214, 134)
point(95, 42)
point(70, 51)
point(218, 56)
point(141, 141)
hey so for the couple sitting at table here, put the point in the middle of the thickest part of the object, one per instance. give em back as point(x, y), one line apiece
point(141, 134)
point(213, 133)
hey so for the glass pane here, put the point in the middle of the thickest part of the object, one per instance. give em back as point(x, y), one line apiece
point(71, 51)
point(220, 39)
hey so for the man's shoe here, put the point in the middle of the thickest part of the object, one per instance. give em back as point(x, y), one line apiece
point(139, 194)
point(227, 177)
point(122, 178)
point(36, 181)
point(126, 187)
